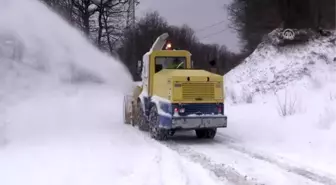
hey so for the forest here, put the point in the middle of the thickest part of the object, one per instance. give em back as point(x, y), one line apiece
point(104, 23)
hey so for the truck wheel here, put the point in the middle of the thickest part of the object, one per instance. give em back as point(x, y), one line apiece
point(171, 132)
point(211, 133)
point(206, 133)
point(154, 130)
point(140, 118)
point(201, 133)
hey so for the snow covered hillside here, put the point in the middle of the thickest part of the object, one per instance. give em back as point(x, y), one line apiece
point(271, 68)
point(281, 102)
point(61, 111)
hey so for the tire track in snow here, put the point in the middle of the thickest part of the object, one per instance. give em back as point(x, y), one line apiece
point(158, 161)
point(314, 176)
point(226, 172)
point(147, 172)
point(220, 174)
point(182, 169)
point(161, 162)
point(174, 164)
point(222, 171)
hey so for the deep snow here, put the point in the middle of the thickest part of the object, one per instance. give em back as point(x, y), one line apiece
point(61, 111)
point(258, 88)
point(76, 136)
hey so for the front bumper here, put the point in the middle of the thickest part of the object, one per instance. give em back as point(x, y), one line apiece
point(199, 122)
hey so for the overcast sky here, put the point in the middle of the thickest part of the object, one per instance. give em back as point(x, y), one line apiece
point(198, 14)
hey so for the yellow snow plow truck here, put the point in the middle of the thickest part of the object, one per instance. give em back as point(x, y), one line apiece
point(172, 96)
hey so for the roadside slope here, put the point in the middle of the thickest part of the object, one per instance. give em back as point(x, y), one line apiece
point(281, 102)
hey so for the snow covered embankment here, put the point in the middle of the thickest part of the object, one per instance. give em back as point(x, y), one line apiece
point(282, 102)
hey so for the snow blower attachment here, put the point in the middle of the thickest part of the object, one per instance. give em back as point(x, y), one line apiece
point(172, 96)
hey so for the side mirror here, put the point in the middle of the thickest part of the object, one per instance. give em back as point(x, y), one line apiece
point(139, 67)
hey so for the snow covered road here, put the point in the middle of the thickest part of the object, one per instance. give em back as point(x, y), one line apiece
point(78, 138)
point(231, 160)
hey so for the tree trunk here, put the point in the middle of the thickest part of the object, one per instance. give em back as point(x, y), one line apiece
point(86, 18)
point(108, 34)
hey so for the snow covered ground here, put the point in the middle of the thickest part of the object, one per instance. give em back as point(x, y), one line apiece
point(76, 136)
point(298, 81)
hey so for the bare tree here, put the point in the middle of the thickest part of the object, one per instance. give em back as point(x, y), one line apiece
point(111, 23)
point(100, 20)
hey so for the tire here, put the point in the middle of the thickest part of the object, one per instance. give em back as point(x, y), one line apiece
point(140, 118)
point(154, 130)
point(206, 133)
point(211, 133)
point(171, 132)
point(200, 133)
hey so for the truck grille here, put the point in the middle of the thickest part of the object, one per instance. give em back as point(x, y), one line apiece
point(198, 91)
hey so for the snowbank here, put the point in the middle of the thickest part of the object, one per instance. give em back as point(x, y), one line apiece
point(272, 68)
point(281, 101)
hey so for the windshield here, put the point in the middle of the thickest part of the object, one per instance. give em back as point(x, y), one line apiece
point(169, 63)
